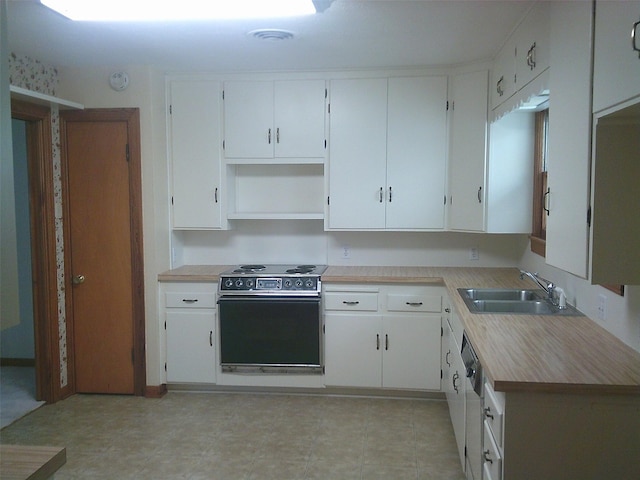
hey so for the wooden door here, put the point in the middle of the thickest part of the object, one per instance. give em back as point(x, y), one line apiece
point(102, 256)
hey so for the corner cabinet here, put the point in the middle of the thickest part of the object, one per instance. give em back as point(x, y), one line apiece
point(616, 75)
point(195, 141)
point(387, 155)
point(381, 336)
point(189, 314)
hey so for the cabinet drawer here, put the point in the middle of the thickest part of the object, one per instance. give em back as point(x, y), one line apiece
point(190, 300)
point(493, 412)
point(357, 301)
point(414, 303)
point(491, 458)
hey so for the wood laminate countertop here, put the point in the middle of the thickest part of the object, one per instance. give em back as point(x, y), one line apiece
point(519, 353)
point(22, 462)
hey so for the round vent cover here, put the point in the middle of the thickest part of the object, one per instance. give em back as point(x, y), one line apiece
point(271, 34)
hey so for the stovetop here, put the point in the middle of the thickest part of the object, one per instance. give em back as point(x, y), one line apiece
point(261, 279)
point(276, 270)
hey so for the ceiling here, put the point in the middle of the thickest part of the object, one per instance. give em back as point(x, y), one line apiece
point(349, 34)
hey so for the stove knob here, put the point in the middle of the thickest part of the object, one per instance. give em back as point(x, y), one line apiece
point(228, 283)
point(249, 283)
point(308, 283)
point(239, 282)
point(288, 283)
point(298, 283)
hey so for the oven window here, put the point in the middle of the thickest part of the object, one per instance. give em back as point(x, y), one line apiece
point(270, 331)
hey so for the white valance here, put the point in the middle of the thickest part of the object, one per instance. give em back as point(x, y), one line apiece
point(535, 91)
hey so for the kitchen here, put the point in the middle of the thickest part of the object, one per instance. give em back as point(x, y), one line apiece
point(304, 240)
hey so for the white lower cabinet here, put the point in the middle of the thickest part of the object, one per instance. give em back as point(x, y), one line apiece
point(382, 337)
point(453, 382)
point(189, 311)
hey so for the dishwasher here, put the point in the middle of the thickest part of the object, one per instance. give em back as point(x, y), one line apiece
point(473, 416)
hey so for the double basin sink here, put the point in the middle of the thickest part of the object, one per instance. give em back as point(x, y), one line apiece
point(512, 301)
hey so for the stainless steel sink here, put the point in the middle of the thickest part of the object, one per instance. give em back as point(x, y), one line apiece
point(502, 294)
point(511, 302)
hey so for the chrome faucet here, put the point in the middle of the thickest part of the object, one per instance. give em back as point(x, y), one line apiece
point(543, 283)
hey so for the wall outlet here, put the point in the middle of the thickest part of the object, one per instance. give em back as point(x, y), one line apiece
point(346, 252)
point(602, 307)
point(474, 253)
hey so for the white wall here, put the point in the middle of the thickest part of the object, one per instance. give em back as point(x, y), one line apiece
point(622, 313)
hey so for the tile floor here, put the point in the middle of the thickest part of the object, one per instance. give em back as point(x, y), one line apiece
point(245, 436)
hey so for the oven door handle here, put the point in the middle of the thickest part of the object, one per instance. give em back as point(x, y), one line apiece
point(268, 298)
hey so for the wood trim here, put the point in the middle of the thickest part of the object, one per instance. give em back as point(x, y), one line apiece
point(538, 245)
point(43, 247)
point(538, 220)
point(617, 289)
point(155, 391)
point(132, 117)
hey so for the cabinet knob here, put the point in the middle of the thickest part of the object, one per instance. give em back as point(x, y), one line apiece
point(78, 279)
point(486, 456)
point(487, 413)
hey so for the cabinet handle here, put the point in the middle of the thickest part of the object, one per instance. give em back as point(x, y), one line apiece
point(479, 194)
point(390, 196)
point(278, 135)
point(487, 413)
point(454, 379)
point(211, 338)
point(545, 201)
point(377, 341)
point(269, 136)
point(346, 302)
point(531, 57)
point(381, 194)
point(499, 88)
point(189, 300)
point(448, 310)
point(633, 37)
point(215, 195)
point(446, 358)
point(414, 304)
point(386, 341)
point(487, 458)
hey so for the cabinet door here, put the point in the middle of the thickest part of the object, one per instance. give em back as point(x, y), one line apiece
point(190, 346)
point(533, 45)
point(248, 119)
point(569, 132)
point(503, 77)
point(616, 76)
point(358, 154)
point(353, 350)
point(195, 154)
point(468, 151)
point(416, 152)
point(456, 398)
point(411, 355)
point(299, 119)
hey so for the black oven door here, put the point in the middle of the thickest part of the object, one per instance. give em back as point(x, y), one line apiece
point(270, 334)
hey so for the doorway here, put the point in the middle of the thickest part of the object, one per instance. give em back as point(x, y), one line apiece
point(102, 188)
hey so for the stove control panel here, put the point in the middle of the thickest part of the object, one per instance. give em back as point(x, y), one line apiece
point(257, 284)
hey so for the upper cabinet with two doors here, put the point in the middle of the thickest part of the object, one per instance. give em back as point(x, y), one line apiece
point(387, 155)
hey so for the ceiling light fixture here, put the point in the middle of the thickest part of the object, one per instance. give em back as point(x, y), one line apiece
point(172, 10)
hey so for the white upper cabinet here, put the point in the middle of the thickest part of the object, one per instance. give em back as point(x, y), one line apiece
point(523, 57)
point(616, 76)
point(357, 153)
point(195, 146)
point(532, 48)
point(416, 152)
point(468, 151)
point(569, 146)
point(387, 156)
point(281, 119)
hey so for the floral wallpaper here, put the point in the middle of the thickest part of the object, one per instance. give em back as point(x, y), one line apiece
point(25, 72)
point(30, 74)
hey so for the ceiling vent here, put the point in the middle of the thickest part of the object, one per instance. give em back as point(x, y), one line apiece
point(271, 34)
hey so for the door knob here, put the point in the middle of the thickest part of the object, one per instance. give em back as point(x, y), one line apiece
point(77, 279)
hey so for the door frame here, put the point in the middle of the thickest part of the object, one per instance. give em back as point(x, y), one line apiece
point(132, 117)
point(43, 247)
